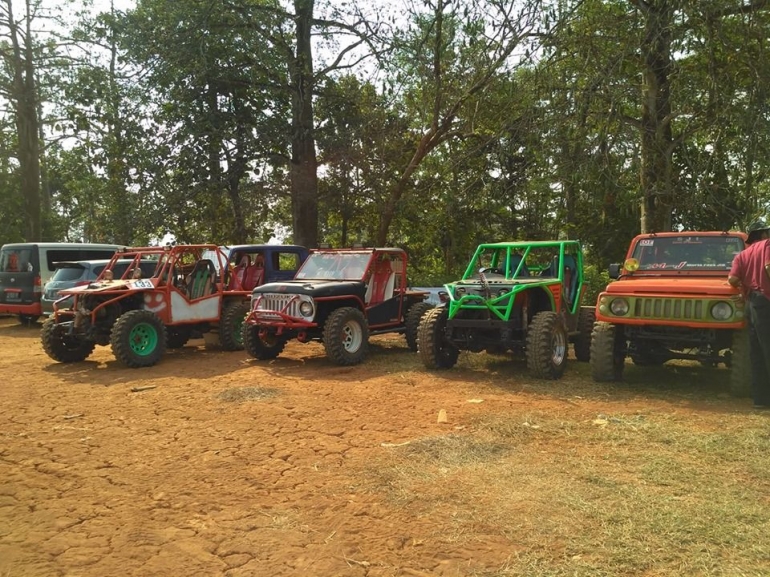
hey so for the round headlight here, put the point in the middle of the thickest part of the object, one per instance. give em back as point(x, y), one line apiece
point(721, 311)
point(631, 265)
point(503, 291)
point(306, 309)
point(619, 307)
point(460, 291)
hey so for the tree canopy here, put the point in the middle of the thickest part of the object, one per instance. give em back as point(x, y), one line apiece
point(431, 125)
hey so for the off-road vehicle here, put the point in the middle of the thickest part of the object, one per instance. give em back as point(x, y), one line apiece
point(522, 297)
point(338, 297)
point(162, 296)
point(671, 300)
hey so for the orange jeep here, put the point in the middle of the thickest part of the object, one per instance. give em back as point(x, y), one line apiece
point(671, 300)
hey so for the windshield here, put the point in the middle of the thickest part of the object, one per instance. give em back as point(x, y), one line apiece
point(334, 266)
point(678, 253)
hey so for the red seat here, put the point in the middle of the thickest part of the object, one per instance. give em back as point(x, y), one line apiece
point(239, 273)
point(253, 277)
point(381, 283)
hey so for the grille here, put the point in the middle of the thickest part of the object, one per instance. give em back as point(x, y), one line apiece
point(669, 308)
point(287, 304)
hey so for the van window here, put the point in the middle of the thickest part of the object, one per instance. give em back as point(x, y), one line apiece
point(55, 255)
point(16, 260)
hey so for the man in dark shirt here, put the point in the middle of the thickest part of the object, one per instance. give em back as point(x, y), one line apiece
point(751, 273)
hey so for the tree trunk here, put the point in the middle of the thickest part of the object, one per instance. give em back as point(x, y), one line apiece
point(236, 169)
point(303, 171)
point(27, 122)
point(657, 171)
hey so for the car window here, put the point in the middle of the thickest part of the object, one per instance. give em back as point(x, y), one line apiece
point(68, 273)
point(97, 270)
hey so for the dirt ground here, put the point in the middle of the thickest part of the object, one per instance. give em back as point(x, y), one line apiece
point(211, 463)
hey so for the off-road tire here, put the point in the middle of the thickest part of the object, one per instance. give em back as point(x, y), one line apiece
point(346, 336)
point(585, 327)
point(432, 346)
point(261, 348)
point(177, 337)
point(547, 346)
point(412, 323)
point(230, 325)
point(138, 339)
point(740, 364)
point(63, 348)
point(608, 354)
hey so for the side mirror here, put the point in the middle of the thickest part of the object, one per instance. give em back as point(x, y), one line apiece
point(615, 269)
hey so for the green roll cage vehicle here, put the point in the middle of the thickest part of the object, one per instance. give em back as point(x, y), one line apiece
point(522, 297)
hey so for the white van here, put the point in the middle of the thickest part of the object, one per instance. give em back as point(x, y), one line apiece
point(26, 267)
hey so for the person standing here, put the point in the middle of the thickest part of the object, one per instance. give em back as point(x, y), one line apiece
point(751, 273)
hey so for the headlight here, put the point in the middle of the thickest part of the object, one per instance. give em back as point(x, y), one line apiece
point(631, 265)
point(503, 291)
point(721, 311)
point(619, 307)
point(306, 309)
point(459, 291)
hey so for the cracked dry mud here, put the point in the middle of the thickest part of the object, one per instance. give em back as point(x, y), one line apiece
point(230, 466)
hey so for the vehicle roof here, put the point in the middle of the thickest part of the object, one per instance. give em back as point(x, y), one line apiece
point(670, 234)
point(263, 247)
point(63, 245)
point(362, 250)
point(526, 243)
point(164, 249)
point(65, 263)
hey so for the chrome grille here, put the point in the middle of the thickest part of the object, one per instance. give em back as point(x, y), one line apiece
point(286, 304)
point(670, 308)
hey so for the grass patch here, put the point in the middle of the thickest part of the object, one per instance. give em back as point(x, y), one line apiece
point(613, 494)
point(243, 394)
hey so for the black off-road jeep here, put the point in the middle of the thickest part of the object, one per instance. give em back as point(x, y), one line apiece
point(522, 297)
point(338, 297)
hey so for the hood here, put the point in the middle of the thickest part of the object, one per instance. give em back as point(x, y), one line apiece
point(111, 285)
point(314, 288)
point(716, 285)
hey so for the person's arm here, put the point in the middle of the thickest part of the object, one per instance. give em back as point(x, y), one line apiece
point(734, 276)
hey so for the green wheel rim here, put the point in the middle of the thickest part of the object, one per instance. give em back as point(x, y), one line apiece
point(143, 339)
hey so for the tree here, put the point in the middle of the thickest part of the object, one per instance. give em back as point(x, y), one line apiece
point(20, 57)
point(448, 57)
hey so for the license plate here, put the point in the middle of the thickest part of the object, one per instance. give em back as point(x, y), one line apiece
point(12, 296)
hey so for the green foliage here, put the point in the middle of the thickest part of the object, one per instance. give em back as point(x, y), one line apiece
point(595, 281)
point(182, 119)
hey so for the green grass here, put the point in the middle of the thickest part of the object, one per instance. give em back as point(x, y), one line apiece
point(680, 491)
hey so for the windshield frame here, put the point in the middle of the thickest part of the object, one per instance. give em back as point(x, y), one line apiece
point(335, 265)
point(690, 253)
